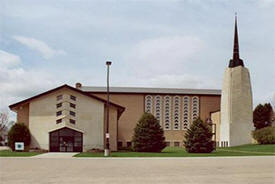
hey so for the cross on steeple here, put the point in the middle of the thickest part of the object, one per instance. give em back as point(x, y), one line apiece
point(236, 61)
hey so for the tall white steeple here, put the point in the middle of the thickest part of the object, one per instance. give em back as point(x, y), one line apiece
point(236, 102)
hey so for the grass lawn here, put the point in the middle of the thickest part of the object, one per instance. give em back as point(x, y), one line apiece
point(8, 153)
point(256, 148)
point(245, 150)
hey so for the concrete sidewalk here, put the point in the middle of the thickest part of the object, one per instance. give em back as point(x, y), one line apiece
point(2, 148)
point(55, 155)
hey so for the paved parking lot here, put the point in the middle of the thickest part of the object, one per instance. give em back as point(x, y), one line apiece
point(235, 170)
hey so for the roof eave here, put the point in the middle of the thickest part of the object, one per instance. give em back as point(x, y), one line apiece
point(12, 106)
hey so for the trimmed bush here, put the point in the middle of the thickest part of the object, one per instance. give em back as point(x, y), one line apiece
point(265, 135)
point(198, 138)
point(19, 133)
point(148, 135)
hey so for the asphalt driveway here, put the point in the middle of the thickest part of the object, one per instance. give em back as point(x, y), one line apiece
point(214, 170)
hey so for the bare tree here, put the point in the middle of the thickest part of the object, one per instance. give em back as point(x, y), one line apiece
point(4, 122)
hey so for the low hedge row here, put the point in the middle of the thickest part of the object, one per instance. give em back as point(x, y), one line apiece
point(265, 135)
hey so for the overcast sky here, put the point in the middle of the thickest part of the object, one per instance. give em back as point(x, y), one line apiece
point(171, 43)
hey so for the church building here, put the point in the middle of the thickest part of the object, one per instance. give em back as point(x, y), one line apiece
point(73, 119)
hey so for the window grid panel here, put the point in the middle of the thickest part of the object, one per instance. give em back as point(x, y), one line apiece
point(72, 97)
point(72, 113)
point(177, 113)
point(58, 113)
point(59, 105)
point(148, 103)
point(167, 113)
point(195, 108)
point(158, 108)
point(185, 123)
point(72, 105)
point(59, 97)
point(58, 121)
point(72, 121)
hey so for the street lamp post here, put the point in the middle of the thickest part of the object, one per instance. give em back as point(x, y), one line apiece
point(107, 148)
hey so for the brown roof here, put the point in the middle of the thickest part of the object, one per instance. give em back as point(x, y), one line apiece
point(144, 90)
point(121, 108)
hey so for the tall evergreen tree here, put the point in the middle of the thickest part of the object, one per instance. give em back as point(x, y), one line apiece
point(262, 116)
point(198, 138)
point(148, 135)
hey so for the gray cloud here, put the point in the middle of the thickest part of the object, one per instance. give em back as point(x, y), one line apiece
point(163, 55)
point(17, 83)
point(39, 46)
point(8, 59)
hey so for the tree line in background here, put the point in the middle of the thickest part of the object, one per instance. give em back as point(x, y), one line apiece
point(263, 119)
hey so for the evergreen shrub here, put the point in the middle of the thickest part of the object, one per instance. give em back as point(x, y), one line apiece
point(148, 135)
point(198, 138)
point(19, 133)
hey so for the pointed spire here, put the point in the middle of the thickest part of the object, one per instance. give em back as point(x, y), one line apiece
point(236, 42)
point(236, 61)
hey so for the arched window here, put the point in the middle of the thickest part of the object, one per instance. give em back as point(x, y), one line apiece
point(185, 123)
point(158, 108)
point(176, 113)
point(195, 107)
point(167, 113)
point(148, 103)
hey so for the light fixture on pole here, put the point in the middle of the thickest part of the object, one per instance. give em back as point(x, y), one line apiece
point(107, 135)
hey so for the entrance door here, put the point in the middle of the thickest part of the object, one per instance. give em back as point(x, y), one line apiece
point(66, 144)
point(66, 140)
